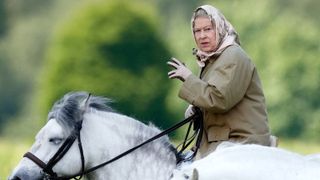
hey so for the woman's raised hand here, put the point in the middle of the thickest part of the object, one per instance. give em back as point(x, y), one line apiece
point(180, 70)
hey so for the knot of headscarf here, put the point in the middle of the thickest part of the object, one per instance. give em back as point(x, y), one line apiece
point(226, 35)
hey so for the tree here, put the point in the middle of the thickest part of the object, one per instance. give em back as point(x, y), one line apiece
point(9, 99)
point(3, 18)
point(112, 50)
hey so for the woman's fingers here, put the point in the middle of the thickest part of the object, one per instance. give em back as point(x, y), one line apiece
point(179, 69)
point(174, 60)
point(173, 64)
point(172, 74)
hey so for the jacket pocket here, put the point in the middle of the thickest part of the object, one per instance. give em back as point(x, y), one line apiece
point(218, 133)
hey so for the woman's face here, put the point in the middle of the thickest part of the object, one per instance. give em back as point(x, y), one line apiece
point(204, 34)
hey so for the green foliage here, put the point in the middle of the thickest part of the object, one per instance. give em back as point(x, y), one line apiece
point(112, 50)
point(9, 92)
point(3, 18)
point(10, 154)
point(280, 36)
point(22, 47)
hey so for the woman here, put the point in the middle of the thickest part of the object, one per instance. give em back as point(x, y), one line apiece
point(228, 91)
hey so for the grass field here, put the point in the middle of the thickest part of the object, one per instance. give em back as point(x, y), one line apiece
point(11, 152)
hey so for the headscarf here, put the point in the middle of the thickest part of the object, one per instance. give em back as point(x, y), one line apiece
point(226, 35)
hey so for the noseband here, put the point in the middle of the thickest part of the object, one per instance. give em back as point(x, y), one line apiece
point(47, 170)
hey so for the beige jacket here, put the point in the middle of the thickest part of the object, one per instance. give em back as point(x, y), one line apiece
point(230, 96)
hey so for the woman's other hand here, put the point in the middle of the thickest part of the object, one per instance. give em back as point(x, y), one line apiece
point(189, 111)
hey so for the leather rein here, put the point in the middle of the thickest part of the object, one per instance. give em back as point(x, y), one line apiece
point(49, 174)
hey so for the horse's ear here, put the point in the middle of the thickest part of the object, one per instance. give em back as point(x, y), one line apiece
point(85, 104)
point(195, 174)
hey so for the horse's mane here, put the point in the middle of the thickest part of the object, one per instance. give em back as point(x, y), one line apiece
point(68, 110)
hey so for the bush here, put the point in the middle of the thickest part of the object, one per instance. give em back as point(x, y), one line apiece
point(10, 98)
point(112, 50)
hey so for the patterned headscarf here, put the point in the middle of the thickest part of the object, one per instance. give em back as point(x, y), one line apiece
point(226, 35)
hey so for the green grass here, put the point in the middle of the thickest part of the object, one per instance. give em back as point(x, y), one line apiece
point(10, 154)
point(12, 151)
point(302, 147)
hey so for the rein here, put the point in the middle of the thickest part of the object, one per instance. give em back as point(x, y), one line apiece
point(48, 173)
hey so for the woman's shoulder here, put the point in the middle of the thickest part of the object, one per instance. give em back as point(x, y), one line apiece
point(235, 54)
point(236, 51)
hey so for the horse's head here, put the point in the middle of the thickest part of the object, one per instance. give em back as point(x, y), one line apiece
point(64, 123)
point(47, 143)
point(83, 132)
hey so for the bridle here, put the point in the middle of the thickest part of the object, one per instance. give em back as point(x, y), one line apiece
point(49, 174)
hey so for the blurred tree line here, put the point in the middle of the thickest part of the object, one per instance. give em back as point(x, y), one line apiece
point(119, 50)
point(114, 50)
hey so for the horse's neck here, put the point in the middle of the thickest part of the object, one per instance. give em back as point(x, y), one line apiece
point(119, 133)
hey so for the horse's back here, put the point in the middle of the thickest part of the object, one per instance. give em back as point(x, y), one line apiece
point(251, 162)
point(313, 157)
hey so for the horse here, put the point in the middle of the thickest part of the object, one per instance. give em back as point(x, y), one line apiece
point(102, 134)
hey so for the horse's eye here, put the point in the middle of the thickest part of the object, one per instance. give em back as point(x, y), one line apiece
point(55, 141)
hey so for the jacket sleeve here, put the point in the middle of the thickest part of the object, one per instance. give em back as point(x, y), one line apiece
point(225, 86)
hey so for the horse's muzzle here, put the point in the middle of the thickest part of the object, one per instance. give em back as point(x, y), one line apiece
point(23, 175)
